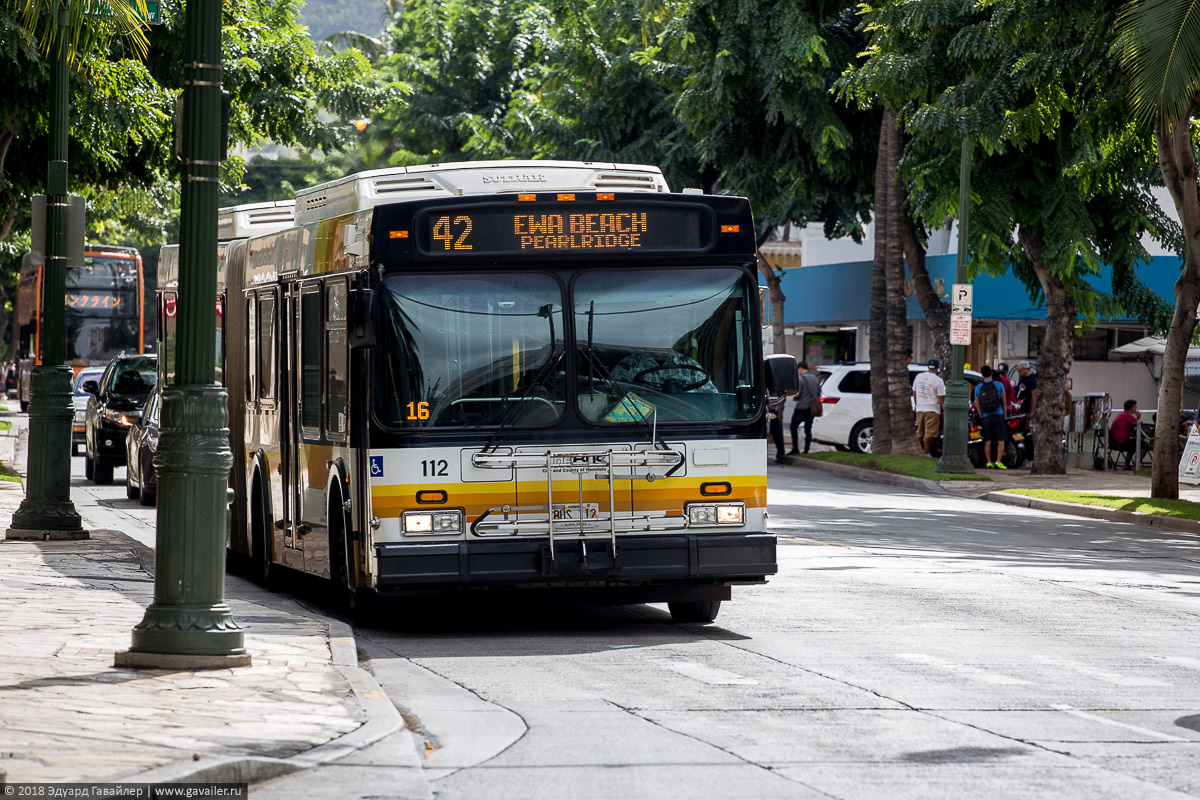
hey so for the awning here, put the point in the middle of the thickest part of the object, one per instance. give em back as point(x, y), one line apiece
point(782, 255)
point(1152, 346)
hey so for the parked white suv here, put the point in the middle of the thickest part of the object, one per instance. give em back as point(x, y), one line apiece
point(847, 420)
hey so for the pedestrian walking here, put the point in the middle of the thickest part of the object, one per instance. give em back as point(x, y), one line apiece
point(989, 404)
point(807, 407)
point(929, 398)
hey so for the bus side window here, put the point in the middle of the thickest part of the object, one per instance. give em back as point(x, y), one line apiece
point(266, 347)
point(251, 350)
point(310, 361)
point(335, 359)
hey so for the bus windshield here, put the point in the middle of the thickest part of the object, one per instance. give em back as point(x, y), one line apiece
point(471, 350)
point(102, 309)
point(670, 345)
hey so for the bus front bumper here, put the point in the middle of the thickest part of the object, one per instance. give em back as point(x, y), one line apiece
point(641, 562)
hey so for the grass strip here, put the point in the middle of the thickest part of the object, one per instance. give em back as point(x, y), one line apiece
point(5, 425)
point(6, 474)
point(915, 466)
point(1181, 509)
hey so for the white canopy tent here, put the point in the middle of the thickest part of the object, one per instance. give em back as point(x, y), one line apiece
point(1150, 346)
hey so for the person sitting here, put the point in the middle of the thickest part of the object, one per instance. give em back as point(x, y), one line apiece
point(1123, 430)
point(661, 367)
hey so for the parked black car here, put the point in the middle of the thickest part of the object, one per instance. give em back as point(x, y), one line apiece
point(115, 405)
point(141, 483)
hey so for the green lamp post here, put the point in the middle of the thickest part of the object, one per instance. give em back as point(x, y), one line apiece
point(47, 511)
point(954, 438)
point(189, 625)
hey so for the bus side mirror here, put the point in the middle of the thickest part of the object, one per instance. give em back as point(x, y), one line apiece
point(781, 375)
point(362, 318)
point(91, 387)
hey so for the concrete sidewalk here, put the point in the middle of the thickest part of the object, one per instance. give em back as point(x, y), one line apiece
point(1121, 484)
point(66, 714)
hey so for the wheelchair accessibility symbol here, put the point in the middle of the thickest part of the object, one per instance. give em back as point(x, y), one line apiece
point(376, 466)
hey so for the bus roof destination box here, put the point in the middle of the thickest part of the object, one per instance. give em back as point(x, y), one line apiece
point(368, 189)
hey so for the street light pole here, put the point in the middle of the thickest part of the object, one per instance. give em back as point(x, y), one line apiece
point(189, 625)
point(47, 511)
point(954, 437)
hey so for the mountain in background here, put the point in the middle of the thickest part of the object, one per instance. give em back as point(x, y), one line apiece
point(325, 17)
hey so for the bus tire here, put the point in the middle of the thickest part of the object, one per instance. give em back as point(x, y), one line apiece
point(103, 472)
point(264, 569)
point(89, 466)
point(131, 491)
point(358, 601)
point(694, 610)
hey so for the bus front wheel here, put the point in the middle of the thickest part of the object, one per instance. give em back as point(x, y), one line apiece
point(694, 610)
point(358, 600)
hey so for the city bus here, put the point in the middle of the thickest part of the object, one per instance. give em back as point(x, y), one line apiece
point(509, 375)
point(235, 224)
point(105, 313)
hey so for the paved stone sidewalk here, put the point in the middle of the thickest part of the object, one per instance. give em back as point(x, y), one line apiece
point(66, 714)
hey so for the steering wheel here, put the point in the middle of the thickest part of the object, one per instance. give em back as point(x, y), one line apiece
point(674, 382)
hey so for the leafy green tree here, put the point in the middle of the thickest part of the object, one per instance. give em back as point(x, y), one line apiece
point(1035, 85)
point(1159, 42)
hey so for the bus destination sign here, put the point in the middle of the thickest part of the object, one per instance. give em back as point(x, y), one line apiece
point(590, 229)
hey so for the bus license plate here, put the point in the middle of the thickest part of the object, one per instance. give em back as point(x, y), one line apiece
point(572, 517)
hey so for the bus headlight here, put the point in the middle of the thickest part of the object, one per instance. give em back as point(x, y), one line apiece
point(708, 514)
point(432, 522)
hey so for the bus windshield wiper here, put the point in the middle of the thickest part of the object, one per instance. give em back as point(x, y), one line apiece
point(611, 384)
point(509, 417)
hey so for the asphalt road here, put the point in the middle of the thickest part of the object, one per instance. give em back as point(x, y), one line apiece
point(912, 646)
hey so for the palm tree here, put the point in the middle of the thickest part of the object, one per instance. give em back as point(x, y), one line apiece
point(93, 25)
point(1160, 47)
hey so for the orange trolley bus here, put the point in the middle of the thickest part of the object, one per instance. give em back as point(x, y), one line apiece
point(105, 312)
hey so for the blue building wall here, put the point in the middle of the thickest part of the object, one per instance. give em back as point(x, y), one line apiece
point(841, 293)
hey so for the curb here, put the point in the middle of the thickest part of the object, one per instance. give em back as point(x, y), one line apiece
point(1095, 512)
point(872, 475)
point(382, 717)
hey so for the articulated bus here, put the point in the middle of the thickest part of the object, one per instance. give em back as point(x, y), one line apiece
point(521, 375)
point(105, 312)
point(234, 226)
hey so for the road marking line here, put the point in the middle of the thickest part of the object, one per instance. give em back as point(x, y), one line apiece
point(1107, 677)
point(966, 670)
point(1075, 712)
point(706, 674)
point(1179, 661)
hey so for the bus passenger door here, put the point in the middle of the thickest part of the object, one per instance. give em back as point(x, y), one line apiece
point(293, 555)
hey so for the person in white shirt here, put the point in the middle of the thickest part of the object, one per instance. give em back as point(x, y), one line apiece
point(929, 395)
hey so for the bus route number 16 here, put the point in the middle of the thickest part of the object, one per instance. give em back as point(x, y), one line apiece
point(418, 410)
point(453, 235)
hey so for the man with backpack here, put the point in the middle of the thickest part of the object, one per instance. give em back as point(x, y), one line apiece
point(989, 404)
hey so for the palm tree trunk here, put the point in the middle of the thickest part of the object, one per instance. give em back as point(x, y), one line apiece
point(877, 346)
point(937, 311)
point(899, 342)
point(1177, 161)
point(1054, 363)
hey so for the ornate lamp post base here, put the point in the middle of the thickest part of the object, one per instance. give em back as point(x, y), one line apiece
point(185, 637)
point(954, 460)
point(189, 625)
point(47, 511)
